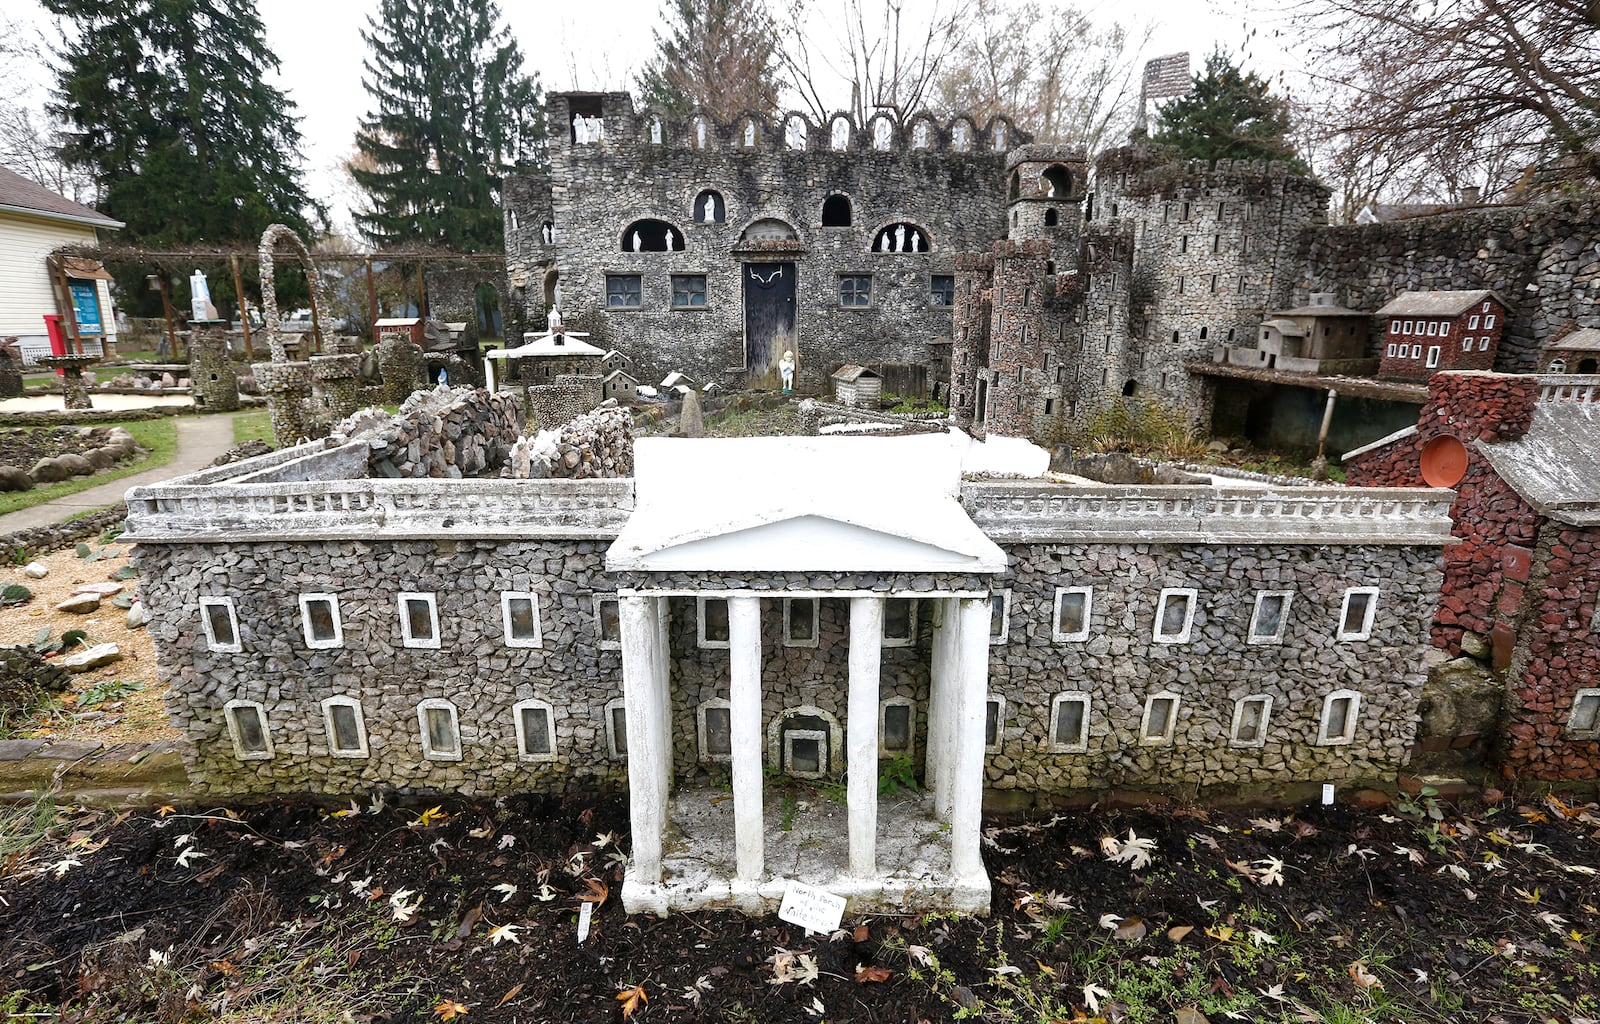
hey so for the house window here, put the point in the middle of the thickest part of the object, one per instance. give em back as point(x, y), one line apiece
point(714, 721)
point(1069, 722)
point(247, 727)
point(607, 622)
point(1488, 322)
point(943, 292)
point(1391, 351)
point(1339, 711)
point(1250, 717)
point(836, 212)
point(1270, 619)
point(419, 620)
point(688, 291)
point(712, 621)
point(999, 617)
point(536, 730)
point(855, 291)
point(319, 620)
point(1433, 356)
point(896, 717)
point(519, 617)
point(1585, 720)
point(1355, 618)
point(1072, 610)
point(899, 621)
point(1160, 718)
point(1433, 328)
point(800, 621)
point(1409, 325)
point(221, 623)
point(1483, 343)
point(994, 724)
point(617, 729)
point(1466, 344)
point(1472, 322)
point(345, 726)
point(440, 729)
point(623, 291)
point(1394, 327)
point(1174, 615)
point(1416, 351)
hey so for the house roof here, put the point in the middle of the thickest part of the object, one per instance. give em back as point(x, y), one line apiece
point(621, 373)
point(851, 372)
point(1555, 466)
point(549, 345)
point(1287, 328)
point(23, 195)
point(1318, 311)
point(675, 379)
point(1438, 303)
point(1585, 340)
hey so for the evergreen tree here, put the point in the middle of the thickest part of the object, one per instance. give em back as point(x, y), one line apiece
point(167, 112)
point(718, 54)
point(1229, 114)
point(453, 113)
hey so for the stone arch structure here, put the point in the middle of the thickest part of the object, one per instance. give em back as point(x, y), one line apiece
point(836, 211)
point(269, 299)
point(902, 236)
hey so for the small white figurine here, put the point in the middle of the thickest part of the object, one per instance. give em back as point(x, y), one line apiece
point(553, 321)
point(786, 371)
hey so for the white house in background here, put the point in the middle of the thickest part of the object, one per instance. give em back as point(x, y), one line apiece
point(34, 222)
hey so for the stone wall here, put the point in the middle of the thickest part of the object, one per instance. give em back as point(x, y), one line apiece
point(275, 667)
point(449, 432)
point(598, 444)
point(552, 405)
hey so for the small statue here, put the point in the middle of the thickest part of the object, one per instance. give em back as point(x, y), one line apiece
point(786, 371)
point(900, 239)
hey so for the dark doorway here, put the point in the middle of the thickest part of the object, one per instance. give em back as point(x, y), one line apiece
point(769, 291)
point(1586, 365)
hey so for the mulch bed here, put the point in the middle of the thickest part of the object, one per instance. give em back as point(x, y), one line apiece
point(283, 911)
point(23, 446)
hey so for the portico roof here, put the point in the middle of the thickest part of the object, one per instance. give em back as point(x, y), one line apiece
point(802, 504)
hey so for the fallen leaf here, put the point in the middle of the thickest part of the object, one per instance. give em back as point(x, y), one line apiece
point(511, 993)
point(598, 892)
point(867, 975)
point(861, 933)
point(1092, 994)
point(430, 817)
point(449, 1009)
point(631, 999)
point(506, 891)
point(1132, 929)
point(1177, 933)
point(504, 933)
point(1364, 978)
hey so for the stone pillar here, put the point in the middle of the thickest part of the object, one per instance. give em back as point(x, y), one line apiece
point(74, 389)
point(213, 383)
point(942, 691)
point(647, 733)
point(339, 376)
point(866, 654)
point(971, 709)
point(401, 365)
point(288, 390)
point(10, 370)
point(744, 712)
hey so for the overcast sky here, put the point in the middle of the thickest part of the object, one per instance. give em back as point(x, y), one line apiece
point(599, 44)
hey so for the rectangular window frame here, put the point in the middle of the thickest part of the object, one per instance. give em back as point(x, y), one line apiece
point(1003, 635)
point(816, 622)
point(1165, 738)
point(361, 749)
point(1324, 720)
point(235, 734)
point(233, 622)
point(1488, 322)
point(1182, 636)
point(1081, 745)
point(700, 625)
point(999, 741)
point(818, 736)
point(305, 621)
point(600, 622)
point(1472, 322)
point(429, 752)
point(1466, 343)
point(1579, 698)
point(534, 704)
point(848, 297)
point(535, 641)
point(1483, 343)
point(939, 296)
point(683, 285)
point(1409, 327)
point(1283, 618)
point(702, 749)
point(910, 749)
point(624, 292)
point(1365, 632)
point(1076, 636)
point(1433, 357)
point(1392, 347)
point(614, 750)
point(1394, 327)
point(910, 639)
point(1264, 699)
point(406, 639)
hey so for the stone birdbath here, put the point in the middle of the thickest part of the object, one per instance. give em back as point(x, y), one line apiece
point(74, 390)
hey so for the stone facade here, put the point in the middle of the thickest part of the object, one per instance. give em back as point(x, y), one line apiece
point(212, 376)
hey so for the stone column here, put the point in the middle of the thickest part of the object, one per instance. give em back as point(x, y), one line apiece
point(288, 388)
point(942, 691)
point(74, 389)
point(339, 376)
point(647, 734)
point(866, 654)
point(971, 709)
point(744, 712)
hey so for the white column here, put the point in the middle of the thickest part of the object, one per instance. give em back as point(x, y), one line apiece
point(972, 694)
point(861, 728)
point(647, 734)
point(662, 659)
point(942, 688)
point(744, 712)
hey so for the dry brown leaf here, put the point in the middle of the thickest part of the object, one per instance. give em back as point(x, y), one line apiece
point(861, 933)
point(631, 999)
point(511, 993)
point(449, 1009)
point(1178, 932)
point(1364, 978)
point(865, 975)
point(598, 893)
point(1132, 928)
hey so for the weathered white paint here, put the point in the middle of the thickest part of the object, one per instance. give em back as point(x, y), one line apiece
point(646, 735)
point(939, 763)
point(861, 730)
point(966, 804)
point(744, 698)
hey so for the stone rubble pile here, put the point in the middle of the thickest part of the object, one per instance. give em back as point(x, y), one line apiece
point(445, 433)
point(595, 445)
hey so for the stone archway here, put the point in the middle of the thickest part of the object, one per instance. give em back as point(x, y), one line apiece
point(269, 298)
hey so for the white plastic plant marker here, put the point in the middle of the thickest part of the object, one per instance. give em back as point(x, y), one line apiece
point(1327, 794)
point(815, 910)
point(585, 913)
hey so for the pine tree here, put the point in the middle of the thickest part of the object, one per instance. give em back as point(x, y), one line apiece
point(718, 54)
point(453, 113)
point(1229, 114)
point(168, 114)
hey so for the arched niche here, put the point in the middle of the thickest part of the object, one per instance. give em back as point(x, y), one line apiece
point(836, 211)
point(839, 132)
point(1052, 217)
point(881, 131)
point(796, 132)
point(769, 229)
point(902, 236)
point(651, 235)
point(961, 133)
point(1055, 182)
point(709, 207)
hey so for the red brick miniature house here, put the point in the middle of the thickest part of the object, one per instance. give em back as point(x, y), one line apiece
point(1424, 332)
point(1575, 352)
point(1522, 581)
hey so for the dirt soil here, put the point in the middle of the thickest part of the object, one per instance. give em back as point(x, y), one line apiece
point(287, 912)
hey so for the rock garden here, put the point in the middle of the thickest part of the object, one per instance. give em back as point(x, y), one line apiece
point(33, 456)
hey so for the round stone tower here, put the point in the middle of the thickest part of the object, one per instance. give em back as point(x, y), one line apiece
point(212, 379)
point(1045, 190)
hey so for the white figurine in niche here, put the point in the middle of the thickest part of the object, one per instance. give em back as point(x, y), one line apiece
point(786, 371)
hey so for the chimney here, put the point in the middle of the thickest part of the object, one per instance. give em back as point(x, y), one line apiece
point(1471, 195)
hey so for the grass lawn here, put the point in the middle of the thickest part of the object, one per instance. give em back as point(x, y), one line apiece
point(159, 436)
point(255, 425)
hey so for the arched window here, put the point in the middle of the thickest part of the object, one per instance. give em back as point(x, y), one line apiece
point(921, 134)
point(1586, 366)
point(709, 207)
point(882, 132)
point(651, 235)
point(769, 229)
point(1052, 217)
point(796, 130)
point(1130, 388)
point(699, 131)
point(961, 135)
point(1055, 181)
point(901, 238)
point(839, 134)
point(836, 212)
point(1016, 186)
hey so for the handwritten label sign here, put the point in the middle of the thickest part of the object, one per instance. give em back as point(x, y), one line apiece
point(1327, 793)
point(585, 915)
point(815, 910)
